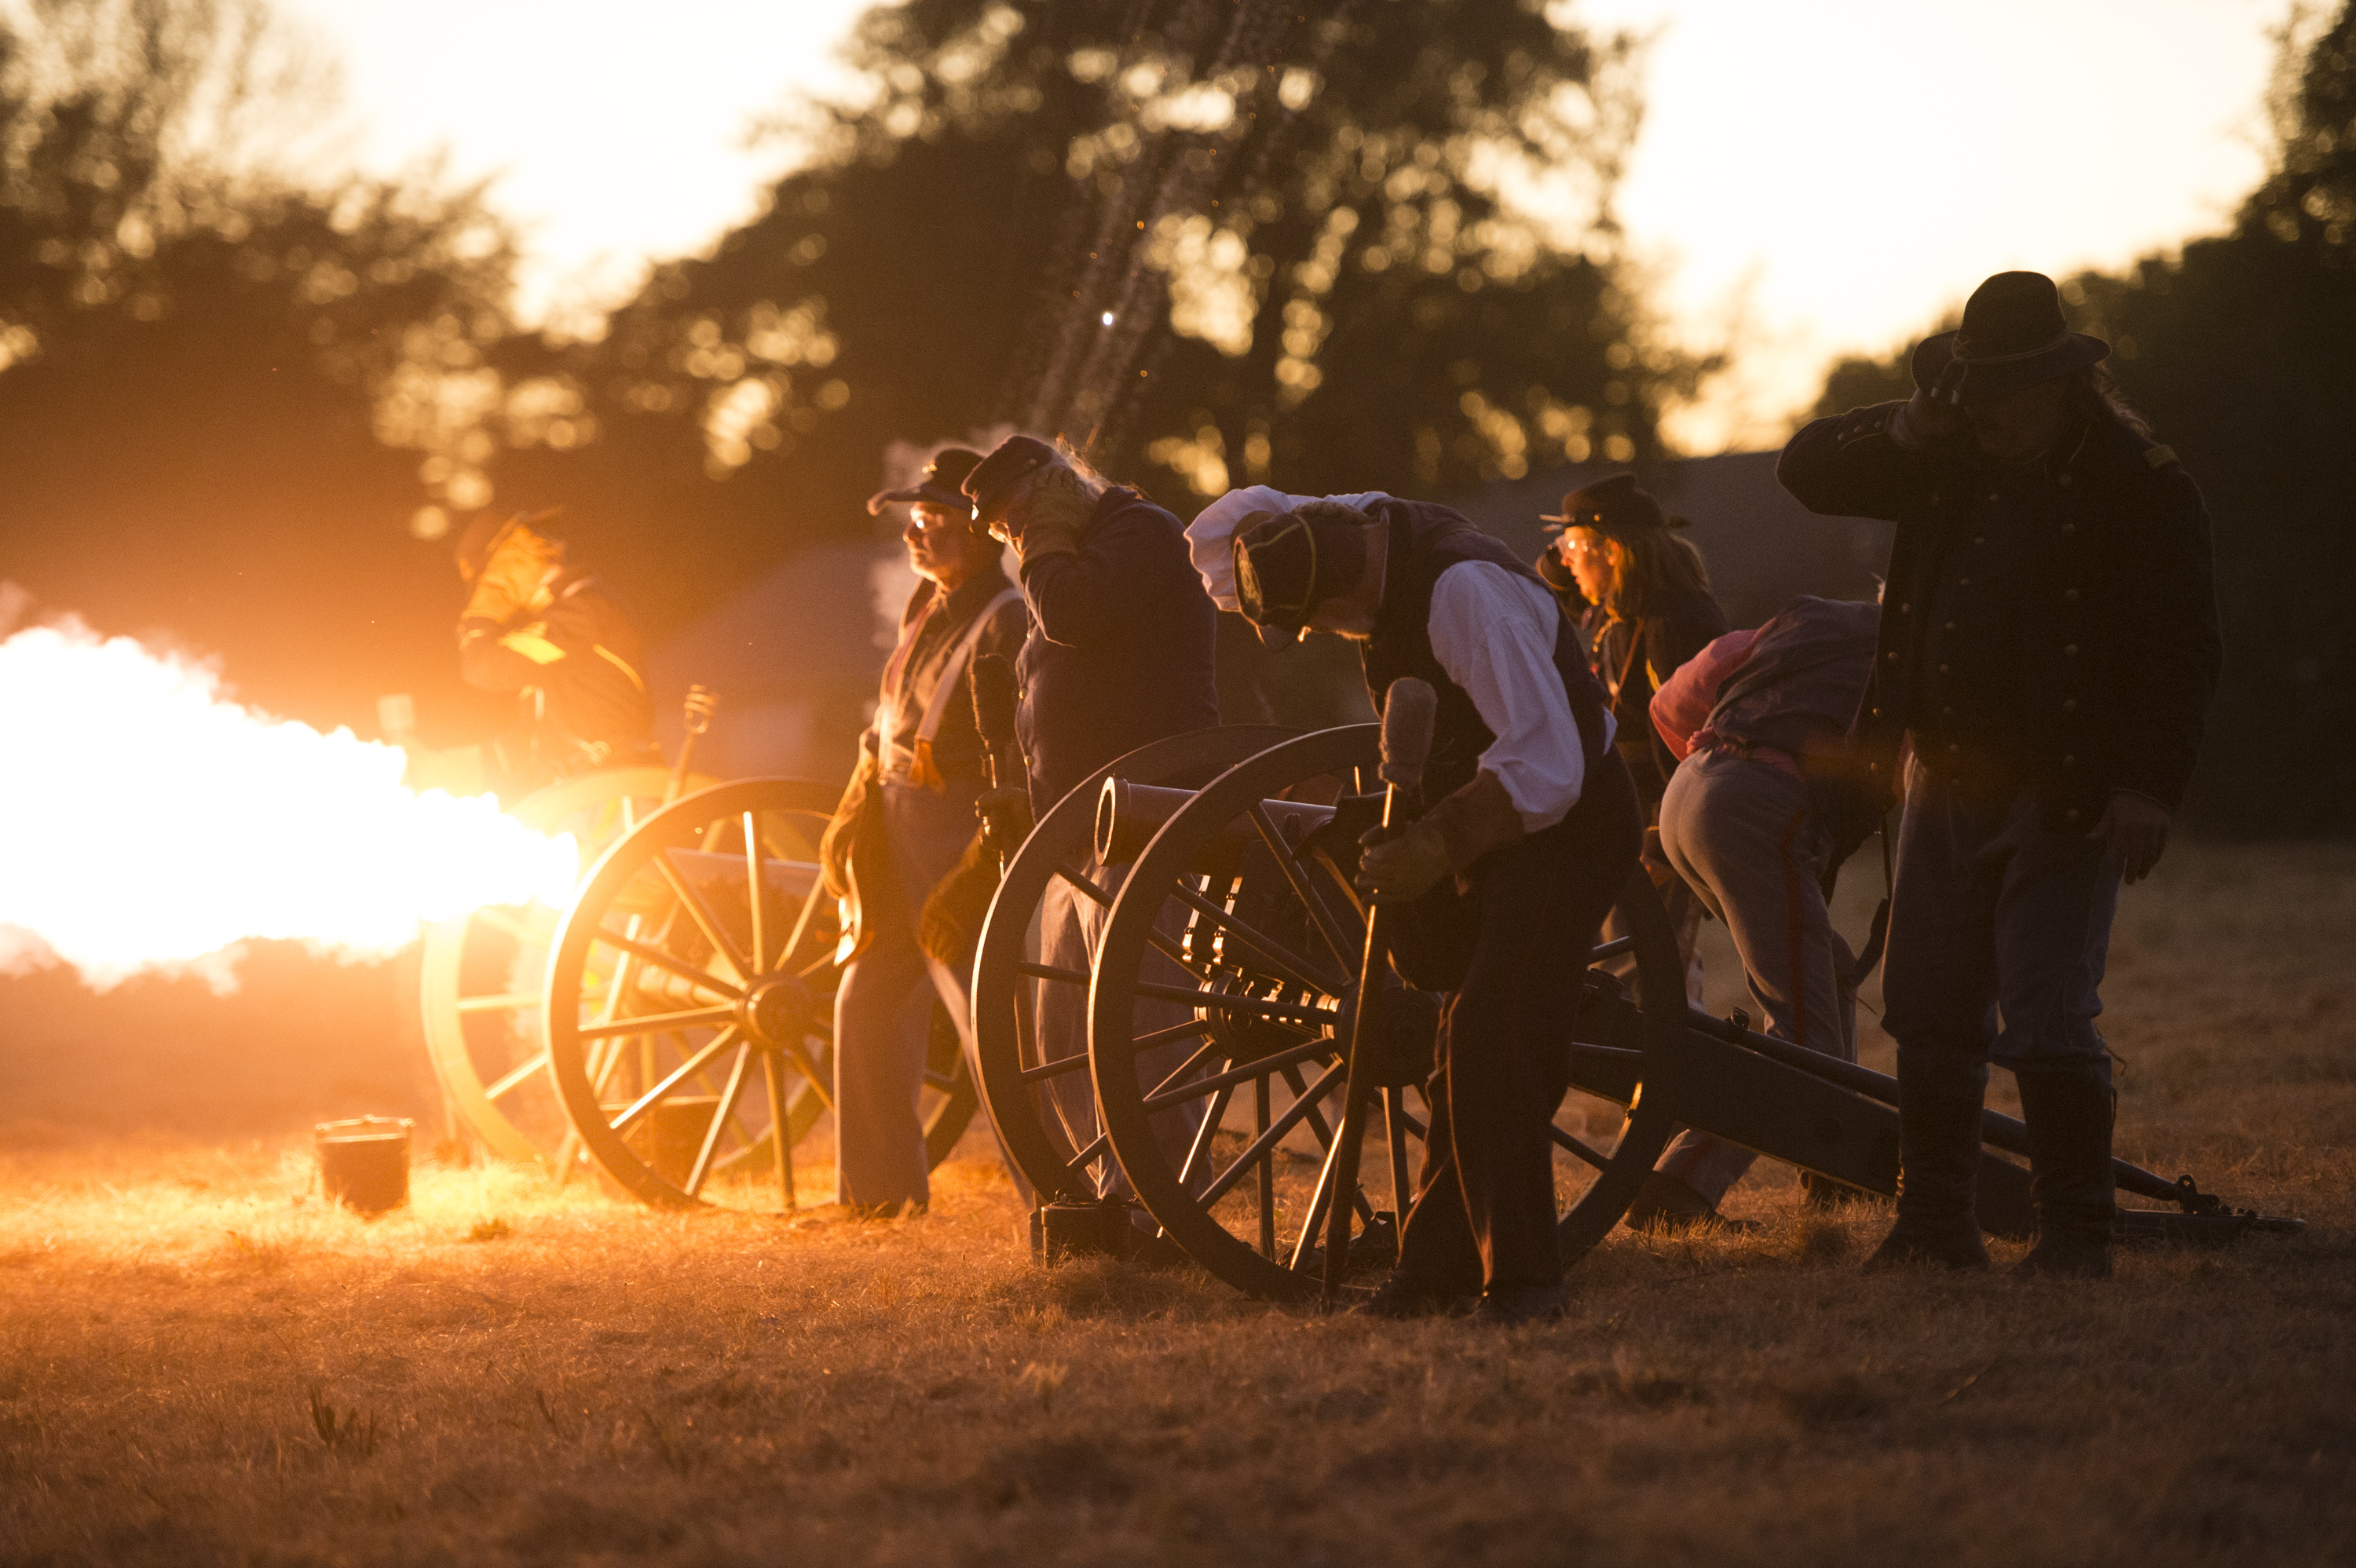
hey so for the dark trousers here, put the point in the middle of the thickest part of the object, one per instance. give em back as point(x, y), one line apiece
point(1485, 1216)
point(1995, 916)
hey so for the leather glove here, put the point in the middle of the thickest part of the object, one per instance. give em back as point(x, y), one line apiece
point(1006, 818)
point(1401, 870)
point(1556, 573)
point(1451, 836)
point(513, 579)
point(1044, 537)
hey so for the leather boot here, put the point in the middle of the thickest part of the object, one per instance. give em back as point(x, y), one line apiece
point(2069, 1111)
point(1939, 1097)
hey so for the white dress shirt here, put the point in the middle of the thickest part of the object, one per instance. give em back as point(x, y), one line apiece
point(1493, 632)
point(1210, 539)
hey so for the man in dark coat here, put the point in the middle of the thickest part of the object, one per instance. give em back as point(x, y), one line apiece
point(1502, 883)
point(1120, 650)
point(1121, 654)
point(543, 628)
point(2049, 642)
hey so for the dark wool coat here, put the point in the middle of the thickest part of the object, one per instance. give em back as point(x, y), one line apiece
point(1120, 650)
point(2114, 612)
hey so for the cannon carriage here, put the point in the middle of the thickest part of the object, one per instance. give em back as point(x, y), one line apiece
point(1162, 995)
point(1220, 987)
point(692, 1014)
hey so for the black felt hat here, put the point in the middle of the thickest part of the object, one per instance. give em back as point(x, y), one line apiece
point(1615, 506)
point(938, 488)
point(2013, 337)
point(1013, 459)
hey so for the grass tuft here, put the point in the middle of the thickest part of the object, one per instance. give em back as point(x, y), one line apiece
point(347, 1437)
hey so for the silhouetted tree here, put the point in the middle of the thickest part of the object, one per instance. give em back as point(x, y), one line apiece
point(2239, 350)
point(219, 385)
point(1291, 215)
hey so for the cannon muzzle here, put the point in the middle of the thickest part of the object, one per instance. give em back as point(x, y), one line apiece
point(1129, 815)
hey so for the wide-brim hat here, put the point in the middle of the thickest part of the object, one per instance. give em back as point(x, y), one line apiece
point(2013, 337)
point(1615, 506)
point(940, 484)
point(994, 478)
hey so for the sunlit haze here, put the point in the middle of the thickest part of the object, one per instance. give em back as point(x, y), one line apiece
point(1831, 174)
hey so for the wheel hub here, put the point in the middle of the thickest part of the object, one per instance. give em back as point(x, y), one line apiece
point(776, 1009)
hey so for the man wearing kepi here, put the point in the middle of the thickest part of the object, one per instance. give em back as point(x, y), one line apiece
point(905, 819)
point(2048, 642)
point(1119, 654)
point(1533, 830)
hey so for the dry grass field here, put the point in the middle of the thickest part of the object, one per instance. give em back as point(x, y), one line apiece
point(199, 1364)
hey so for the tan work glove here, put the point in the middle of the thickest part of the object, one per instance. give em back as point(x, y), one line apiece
point(1471, 823)
point(515, 579)
point(1043, 537)
point(1050, 516)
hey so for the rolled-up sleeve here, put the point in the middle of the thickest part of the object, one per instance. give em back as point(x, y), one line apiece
point(1493, 632)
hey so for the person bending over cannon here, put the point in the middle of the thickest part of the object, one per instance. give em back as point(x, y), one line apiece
point(1766, 803)
point(2049, 642)
point(905, 821)
point(1119, 654)
point(1501, 885)
point(542, 628)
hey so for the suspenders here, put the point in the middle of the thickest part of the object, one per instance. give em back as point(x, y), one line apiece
point(915, 766)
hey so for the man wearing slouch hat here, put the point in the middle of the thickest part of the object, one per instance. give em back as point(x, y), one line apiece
point(1119, 654)
point(903, 824)
point(1532, 831)
point(2048, 642)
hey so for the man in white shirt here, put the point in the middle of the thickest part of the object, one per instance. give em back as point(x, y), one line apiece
point(1501, 884)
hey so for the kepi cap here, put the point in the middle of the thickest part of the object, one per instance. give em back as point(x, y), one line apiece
point(938, 488)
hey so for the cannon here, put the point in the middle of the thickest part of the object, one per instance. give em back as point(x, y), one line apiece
point(504, 1032)
point(1219, 992)
point(688, 1002)
point(480, 975)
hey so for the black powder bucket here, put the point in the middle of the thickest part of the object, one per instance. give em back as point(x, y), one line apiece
point(364, 1162)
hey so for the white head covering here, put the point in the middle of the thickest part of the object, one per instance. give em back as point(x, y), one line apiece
point(1210, 538)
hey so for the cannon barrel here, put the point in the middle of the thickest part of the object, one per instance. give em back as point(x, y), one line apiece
point(1129, 815)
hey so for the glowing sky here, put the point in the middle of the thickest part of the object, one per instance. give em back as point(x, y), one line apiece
point(1840, 169)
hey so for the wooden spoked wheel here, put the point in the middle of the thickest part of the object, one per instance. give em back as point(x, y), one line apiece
point(480, 973)
point(690, 1002)
point(1221, 1095)
point(1029, 1084)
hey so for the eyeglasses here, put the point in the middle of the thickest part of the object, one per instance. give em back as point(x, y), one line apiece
point(1601, 550)
point(938, 520)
